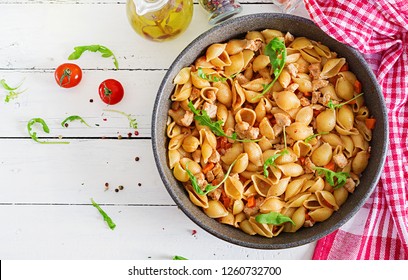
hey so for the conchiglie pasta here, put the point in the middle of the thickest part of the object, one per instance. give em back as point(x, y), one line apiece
point(263, 151)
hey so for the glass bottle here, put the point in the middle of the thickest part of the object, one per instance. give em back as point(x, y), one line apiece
point(159, 20)
point(220, 9)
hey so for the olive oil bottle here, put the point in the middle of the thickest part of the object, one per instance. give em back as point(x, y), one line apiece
point(159, 20)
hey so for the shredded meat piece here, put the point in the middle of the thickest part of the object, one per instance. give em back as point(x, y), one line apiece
point(245, 131)
point(196, 155)
point(253, 45)
point(350, 185)
point(340, 160)
point(308, 223)
point(304, 101)
point(292, 87)
point(318, 84)
point(215, 157)
point(314, 70)
point(315, 96)
point(202, 182)
point(215, 194)
point(210, 176)
point(242, 79)
point(293, 69)
point(288, 38)
point(217, 170)
point(277, 129)
point(211, 109)
point(195, 93)
point(252, 211)
point(182, 117)
point(324, 100)
point(282, 119)
point(309, 165)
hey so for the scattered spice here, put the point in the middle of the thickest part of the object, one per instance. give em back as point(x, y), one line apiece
point(194, 232)
point(120, 187)
point(136, 133)
point(105, 119)
point(106, 186)
point(116, 190)
point(66, 124)
point(97, 124)
point(119, 137)
point(130, 135)
point(139, 184)
point(137, 158)
point(91, 100)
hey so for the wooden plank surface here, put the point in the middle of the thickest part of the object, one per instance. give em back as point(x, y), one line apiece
point(46, 189)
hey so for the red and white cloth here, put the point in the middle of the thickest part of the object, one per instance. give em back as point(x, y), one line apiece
point(378, 29)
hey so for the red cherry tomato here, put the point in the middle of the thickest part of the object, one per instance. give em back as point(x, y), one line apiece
point(68, 75)
point(111, 91)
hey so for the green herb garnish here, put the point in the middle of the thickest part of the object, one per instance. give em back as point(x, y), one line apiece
point(45, 128)
point(273, 218)
point(307, 139)
point(73, 118)
point(216, 127)
point(209, 187)
point(78, 51)
point(209, 77)
point(276, 50)
point(179, 258)
point(333, 106)
point(330, 175)
point(271, 161)
point(105, 216)
point(12, 94)
point(132, 121)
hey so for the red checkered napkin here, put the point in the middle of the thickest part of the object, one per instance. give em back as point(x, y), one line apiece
point(378, 29)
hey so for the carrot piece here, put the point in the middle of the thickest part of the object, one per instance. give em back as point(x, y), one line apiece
point(209, 166)
point(251, 201)
point(330, 166)
point(345, 67)
point(370, 123)
point(225, 199)
point(302, 161)
point(307, 94)
point(357, 86)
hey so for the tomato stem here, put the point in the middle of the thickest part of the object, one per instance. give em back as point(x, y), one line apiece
point(67, 73)
point(107, 91)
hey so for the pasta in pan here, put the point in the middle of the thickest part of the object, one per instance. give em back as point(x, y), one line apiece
point(268, 133)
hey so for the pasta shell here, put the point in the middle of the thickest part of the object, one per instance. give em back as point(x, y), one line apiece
point(196, 199)
point(255, 35)
point(269, 34)
point(294, 187)
point(360, 162)
point(198, 82)
point(341, 195)
point(190, 143)
point(332, 67)
point(222, 60)
point(286, 100)
point(238, 206)
point(299, 131)
point(228, 220)
point(278, 188)
point(256, 84)
point(271, 204)
point(235, 46)
point(310, 55)
point(241, 163)
point(363, 130)
point(298, 217)
point(182, 92)
point(344, 89)
point(345, 117)
point(260, 62)
point(291, 169)
point(297, 200)
point(261, 229)
point(215, 209)
point(224, 93)
point(326, 199)
point(305, 115)
point(246, 227)
point(214, 51)
point(176, 142)
point(321, 214)
point(233, 187)
point(173, 130)
point(305, 85)
point(174, 157)
point(236, 66)
point(333, 139)
point(238, 96)
point(254, 153)
point(183, 76)
point(284, 78)
point(301, 43)
point(209, 94)
point(202, 62)
point(248, 55)
point(266, 129)
point(311, 203)
point(232, 153)
point(322, 155)
point(302, 149)
point(246, 115)
point(261, 184)
point(322, 50)
point(326, 121)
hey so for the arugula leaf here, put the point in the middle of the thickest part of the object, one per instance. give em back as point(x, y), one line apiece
point(12, 94)
point(78, 51)
point(179, 258)
point(330, 175)
point(132, 121)
point(45, 128)
point(73, 118)
point(271, 161)
point(276, 50)
point(333, 106)
point(105, 216)
point(216, 127)
point(209, 77)
point(273, 218)
point(209, 187)
point(307, 139)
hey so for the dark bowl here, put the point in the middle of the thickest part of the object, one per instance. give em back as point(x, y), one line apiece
point(298, 26)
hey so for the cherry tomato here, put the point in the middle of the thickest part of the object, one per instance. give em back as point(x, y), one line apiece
point(68, 75)
point(111, 91)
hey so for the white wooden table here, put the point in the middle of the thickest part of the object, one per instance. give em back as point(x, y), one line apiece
point(45, 190)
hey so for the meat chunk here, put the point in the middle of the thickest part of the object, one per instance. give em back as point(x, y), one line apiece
point(318, 84)
point(215, 157)
point(182, 117)
point(211, 109)
point(309, 165)
point(292, 87)
point(292, 69)
point(315, 96)
point(304, 101)
point(314, 70)
point(288, 38)
point(252, 211)
point(350, 185)
point(340, 160)
point(282, 119)
point(253, 45)
point(245, 131)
